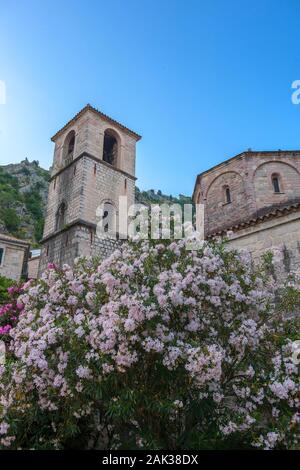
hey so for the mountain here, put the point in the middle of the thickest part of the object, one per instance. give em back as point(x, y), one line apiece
point(23, 199)
point(157, 197)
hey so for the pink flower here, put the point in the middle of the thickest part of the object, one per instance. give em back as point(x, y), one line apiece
point(5, 329)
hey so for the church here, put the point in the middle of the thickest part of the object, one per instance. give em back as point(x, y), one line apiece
point(254, 195)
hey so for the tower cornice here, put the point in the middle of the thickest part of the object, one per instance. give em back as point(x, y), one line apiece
point(92, 157)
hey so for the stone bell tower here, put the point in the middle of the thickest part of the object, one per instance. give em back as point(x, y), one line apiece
point(94, 164)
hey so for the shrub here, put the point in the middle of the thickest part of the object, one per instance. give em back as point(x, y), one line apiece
point(9, 312)
point(5, 283)
point(156, 347)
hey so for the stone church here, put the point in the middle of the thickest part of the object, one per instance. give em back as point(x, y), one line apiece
point(254, 195)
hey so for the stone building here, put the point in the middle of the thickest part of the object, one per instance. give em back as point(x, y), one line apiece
point(13, 257)
point(33, 264)
point(94, 164)
point(255, 196)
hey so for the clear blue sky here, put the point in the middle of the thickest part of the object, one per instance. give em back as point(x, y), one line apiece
point(200, 80)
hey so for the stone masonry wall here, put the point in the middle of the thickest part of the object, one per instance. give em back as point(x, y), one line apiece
point(249, 177)
point(102, 183)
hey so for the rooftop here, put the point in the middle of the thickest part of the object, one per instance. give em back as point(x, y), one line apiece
point(9, 238)
point(103, 116)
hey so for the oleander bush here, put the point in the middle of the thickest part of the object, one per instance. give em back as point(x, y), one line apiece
point(5, 283)
point(10, 308)
point(156, 347)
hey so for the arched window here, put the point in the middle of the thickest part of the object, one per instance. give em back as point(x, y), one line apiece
point(276, 183)
point(109, 218)
point(68, 149)
point(61, 216)
point(227, 195)
point(110, 148)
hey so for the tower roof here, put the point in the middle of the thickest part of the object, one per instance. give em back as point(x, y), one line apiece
point(103, 116)
point(8, 238)
point(247, 153)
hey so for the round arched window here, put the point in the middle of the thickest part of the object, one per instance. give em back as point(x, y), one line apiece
point(68, 149)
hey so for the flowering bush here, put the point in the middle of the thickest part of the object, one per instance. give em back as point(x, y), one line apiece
point(156, 347)
point(9, 312)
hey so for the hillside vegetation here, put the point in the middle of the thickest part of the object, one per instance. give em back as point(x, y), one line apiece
point(23, 199)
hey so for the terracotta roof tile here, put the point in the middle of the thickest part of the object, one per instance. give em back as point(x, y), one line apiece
point(247, 153)
point(9, 238)
point(103, 116)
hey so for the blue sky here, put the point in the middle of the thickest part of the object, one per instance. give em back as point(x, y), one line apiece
point(200, 80)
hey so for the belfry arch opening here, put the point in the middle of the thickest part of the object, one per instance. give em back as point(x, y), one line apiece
point(69, 146)
point(227, 195)
point(110, 148)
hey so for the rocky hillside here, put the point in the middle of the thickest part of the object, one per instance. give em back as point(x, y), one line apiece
point(157, 197)
point(23, 199)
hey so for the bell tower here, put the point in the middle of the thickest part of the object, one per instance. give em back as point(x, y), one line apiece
point(94, 164)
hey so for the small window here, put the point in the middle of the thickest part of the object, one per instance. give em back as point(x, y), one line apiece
point(68, 149)
point(1, 256)
point(71, 145)
point(227, 196)
point(276, 184)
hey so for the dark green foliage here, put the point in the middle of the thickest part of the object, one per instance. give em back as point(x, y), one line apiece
point(5, 283)
point(152, 197)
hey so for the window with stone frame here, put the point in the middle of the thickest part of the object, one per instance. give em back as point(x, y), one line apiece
point(276, 183)
point(110, 148)
point(109, 218)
